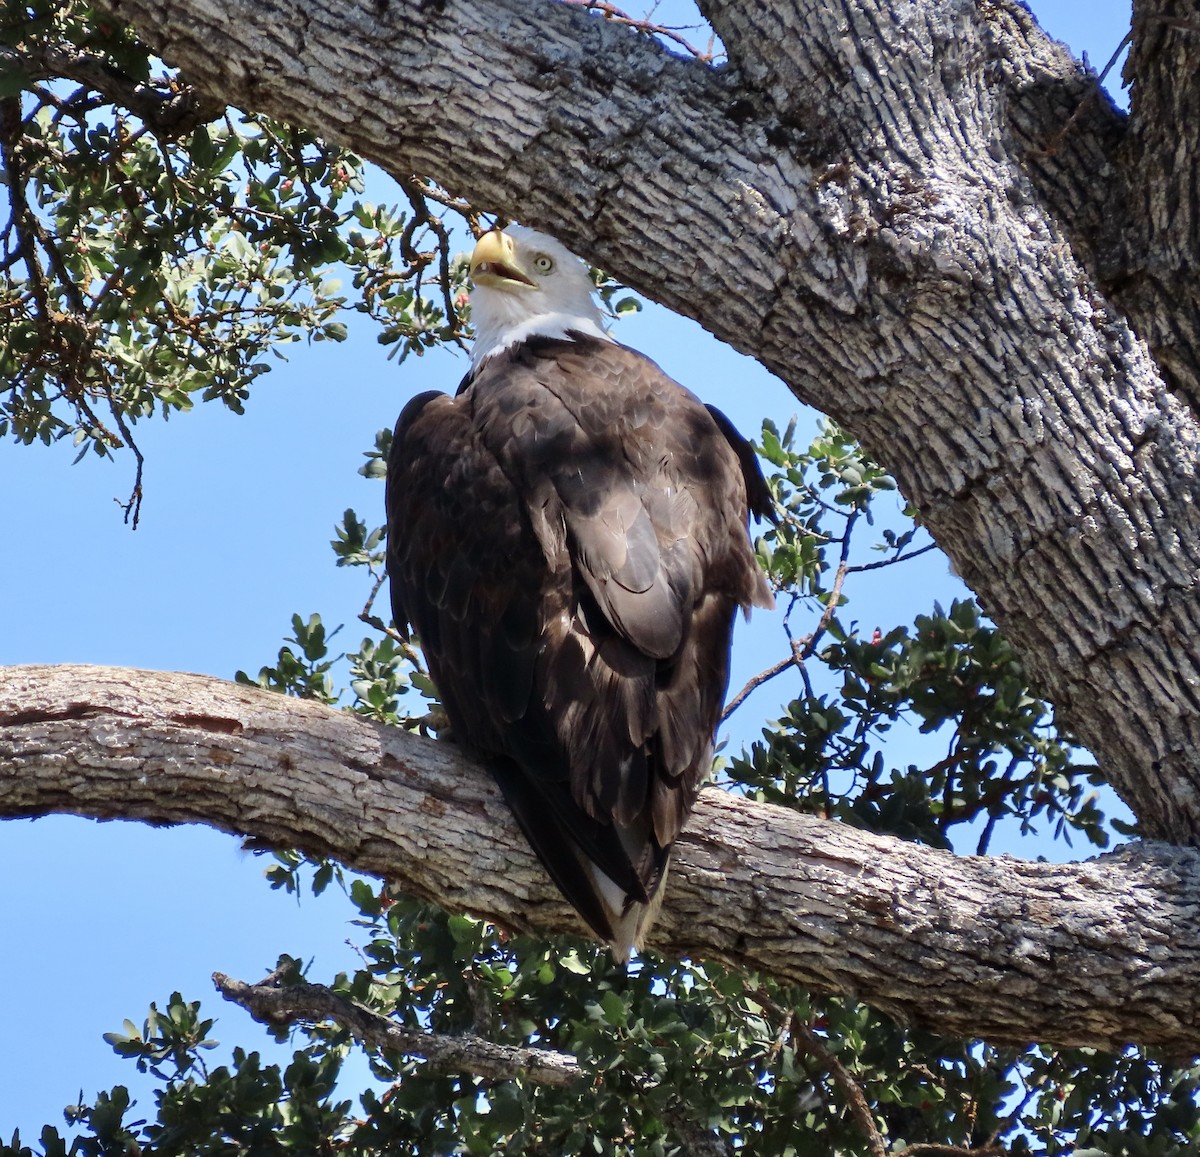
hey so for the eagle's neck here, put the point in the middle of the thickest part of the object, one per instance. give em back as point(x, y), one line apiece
point(500, 323)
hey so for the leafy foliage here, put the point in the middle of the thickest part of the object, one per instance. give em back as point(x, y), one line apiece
point(677, 1055)
point(160, 247)
point(670, 1051)
point(160, 250)
point(950, 676)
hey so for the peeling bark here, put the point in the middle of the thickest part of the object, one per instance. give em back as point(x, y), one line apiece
point(1100, 953)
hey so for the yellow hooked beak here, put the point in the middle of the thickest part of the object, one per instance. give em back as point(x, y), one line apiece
point(494, 262)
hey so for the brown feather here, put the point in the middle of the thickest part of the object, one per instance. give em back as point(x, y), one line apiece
point(567, 537)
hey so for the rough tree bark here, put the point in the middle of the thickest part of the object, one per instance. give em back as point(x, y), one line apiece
point(924, 219)
point(1099, 954)
point(881, 205)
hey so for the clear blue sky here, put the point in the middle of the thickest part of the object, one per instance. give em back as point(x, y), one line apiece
point(233, 539)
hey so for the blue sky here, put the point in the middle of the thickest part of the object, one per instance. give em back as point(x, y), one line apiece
point(100, 919)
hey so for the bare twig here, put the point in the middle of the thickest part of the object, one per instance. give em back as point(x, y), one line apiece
point(378, 624)
point(416, 191)
point(365, 614)
point(1090, 96)
point(464, 209)
point(275, 1005)
point(613, 13)
point(802, 648)
point(932, 1149)
point(755, 682)
point(858, 568)
point(808, 644)
point(132, 507)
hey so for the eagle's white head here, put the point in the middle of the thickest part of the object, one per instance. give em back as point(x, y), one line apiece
point(528, 284)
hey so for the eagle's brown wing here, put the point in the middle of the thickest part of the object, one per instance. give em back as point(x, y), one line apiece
point(568, 538)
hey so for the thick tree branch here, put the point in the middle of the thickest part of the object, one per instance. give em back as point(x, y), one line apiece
point(848, 203)
point(1067, 135)
point(1163, 252)
point(1100, 953)
point(276, 1005)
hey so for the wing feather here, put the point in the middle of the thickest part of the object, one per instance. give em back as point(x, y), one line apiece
point(567, 536)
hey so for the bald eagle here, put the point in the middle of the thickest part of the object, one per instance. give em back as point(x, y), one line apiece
point(567, 536)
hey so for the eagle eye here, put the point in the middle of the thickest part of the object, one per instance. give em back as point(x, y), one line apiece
point(542, 263)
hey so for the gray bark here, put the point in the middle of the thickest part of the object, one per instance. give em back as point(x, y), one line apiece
point(1156, 279)
point(879, 203)
point(1100, 953)
point(923, 219)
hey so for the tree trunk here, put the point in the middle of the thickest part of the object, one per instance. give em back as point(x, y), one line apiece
point(1156, 281)
point(1101, 953)
point(893, 210)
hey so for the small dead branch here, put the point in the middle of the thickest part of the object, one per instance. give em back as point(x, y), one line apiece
point(275, 1005)
point(647, 28)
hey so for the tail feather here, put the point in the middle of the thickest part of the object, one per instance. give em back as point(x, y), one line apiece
point(566, 866)
point(612, 876)
point(630, 919)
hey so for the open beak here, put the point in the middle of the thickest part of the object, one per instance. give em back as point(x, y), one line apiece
point(494, 262)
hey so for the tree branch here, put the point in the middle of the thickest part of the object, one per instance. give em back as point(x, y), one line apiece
point(756, 681)
point(1100, 953)
point(869, 235)
point(850, 1089)
point(170, 112)
point(695, 1138)
point(1162, 268)
point(275, 1005)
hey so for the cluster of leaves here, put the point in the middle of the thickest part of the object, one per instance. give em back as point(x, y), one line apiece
point(381, 671)
point(951, 676)
point(956, 677)
point(143, 270)
point(159, 247)
point(677, 1056)
point(671, 1054)
point(384, 668)
point(245, 1106)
